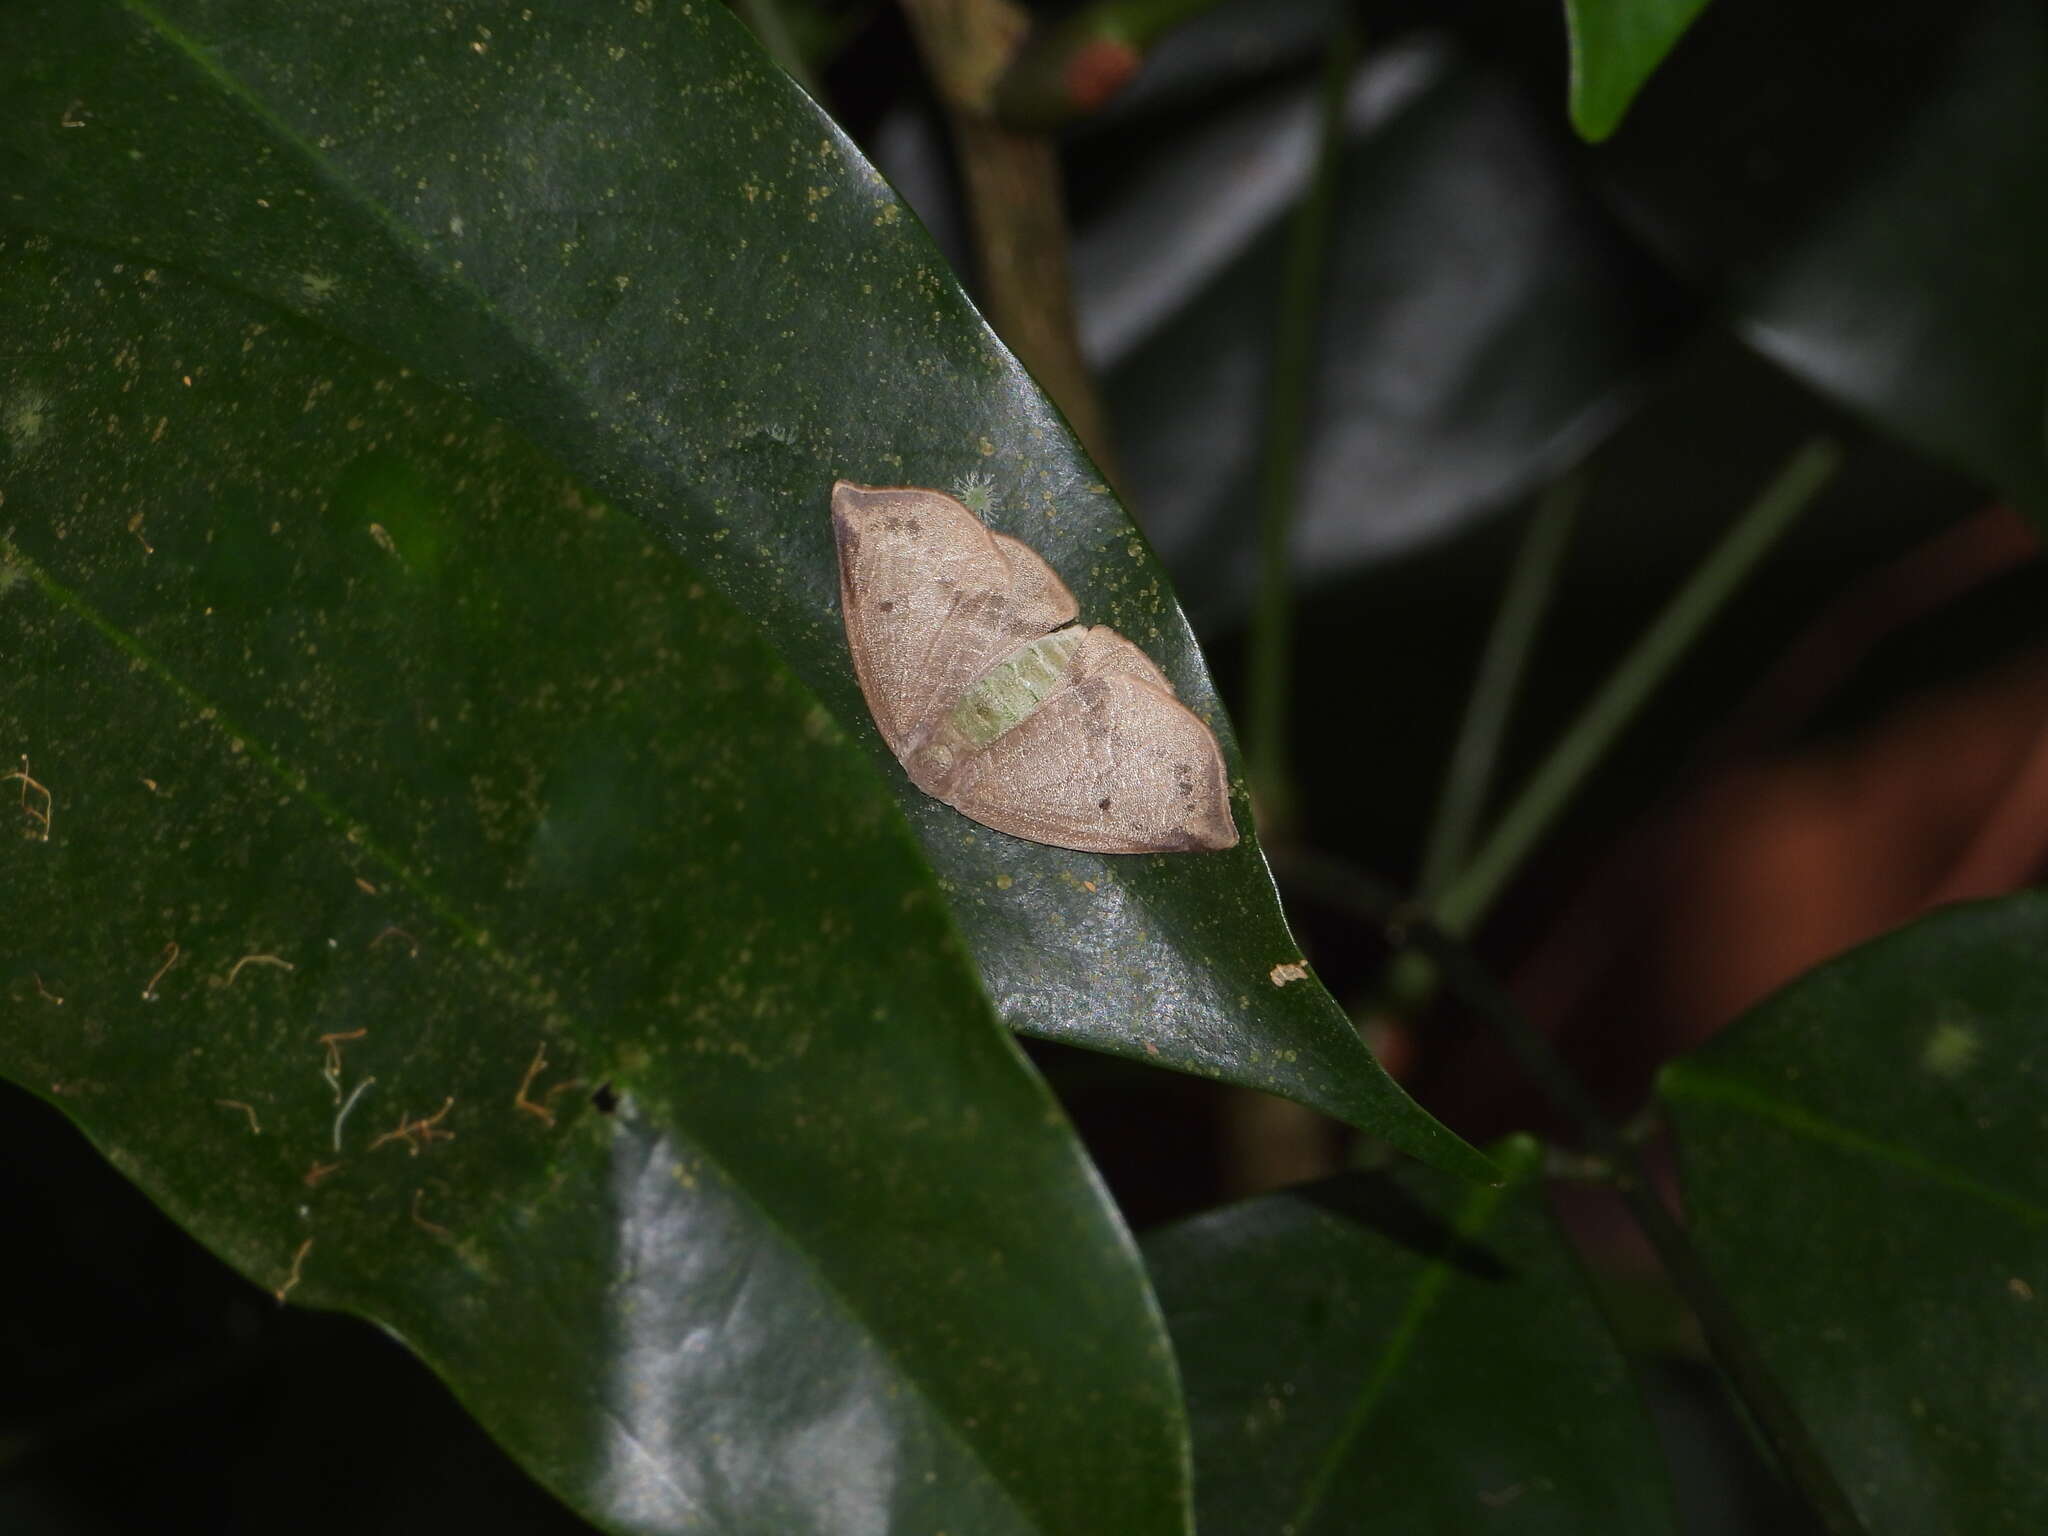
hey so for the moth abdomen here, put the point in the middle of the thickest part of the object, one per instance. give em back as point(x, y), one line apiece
point(1006, 694)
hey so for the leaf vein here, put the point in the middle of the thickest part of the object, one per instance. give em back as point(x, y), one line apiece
point(1691, 1084)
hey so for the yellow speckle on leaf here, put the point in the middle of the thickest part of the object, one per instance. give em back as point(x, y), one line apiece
point(1951, 1049)
point(1286, 971)
point(27, 416)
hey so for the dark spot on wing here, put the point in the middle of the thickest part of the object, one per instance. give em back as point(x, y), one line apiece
point(1102, 805)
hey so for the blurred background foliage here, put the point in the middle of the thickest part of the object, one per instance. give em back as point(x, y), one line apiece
point(1830, 217)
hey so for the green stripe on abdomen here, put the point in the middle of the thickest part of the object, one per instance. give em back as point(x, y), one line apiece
point(1014, 686)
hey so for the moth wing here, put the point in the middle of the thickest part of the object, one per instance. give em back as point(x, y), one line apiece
point(932, 599)
point(1105, 653)
point(906, 557)
point(1111, 762)
point(1039, 601)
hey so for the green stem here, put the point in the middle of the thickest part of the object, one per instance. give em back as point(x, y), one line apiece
point(1770, 1408)
point(1531, 580)
point(1294, 356)
point(1742, 1364)
point(1623, 695)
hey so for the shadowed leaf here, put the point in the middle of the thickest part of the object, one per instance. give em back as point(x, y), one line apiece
point(1862, 1170)
point(1393, 1352)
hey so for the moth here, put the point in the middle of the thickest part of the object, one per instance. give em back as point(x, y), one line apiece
point(998, 703)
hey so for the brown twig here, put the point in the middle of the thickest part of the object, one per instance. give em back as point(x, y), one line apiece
point(1016, 204)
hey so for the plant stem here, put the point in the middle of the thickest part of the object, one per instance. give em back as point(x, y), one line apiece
point(1531, 580)
point(1774, 1414)
point(1772, 1411)
point(1294, 358)
point(1630, 685)
point(1017, 206)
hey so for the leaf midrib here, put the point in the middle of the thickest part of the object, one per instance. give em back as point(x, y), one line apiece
point(1474, 1214)
point(1688, 1082)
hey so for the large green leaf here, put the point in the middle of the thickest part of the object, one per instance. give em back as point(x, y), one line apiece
point(1391, 1353)
point(618, 228)
point(1917, 293)
point(450, 910)
point(1863, 1170)
point(1866, 190)
point(1616, 45)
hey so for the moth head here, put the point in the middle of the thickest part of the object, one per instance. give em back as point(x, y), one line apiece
point(931, 766)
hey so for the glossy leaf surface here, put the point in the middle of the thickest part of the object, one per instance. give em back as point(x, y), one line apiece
point(1397, 1353)
point(448, 909)
point(1867, 187)
point(622, 231)
point(1862, 1168)
point(1916, 295)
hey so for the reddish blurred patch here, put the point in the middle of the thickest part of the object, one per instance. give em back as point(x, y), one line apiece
point(1097, 70)
point(1772, 860)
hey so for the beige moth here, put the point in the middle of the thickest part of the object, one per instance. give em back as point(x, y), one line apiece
point(998, 703)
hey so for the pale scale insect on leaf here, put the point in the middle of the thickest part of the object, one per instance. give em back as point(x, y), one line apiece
point(977, 493)
point(998, 703)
